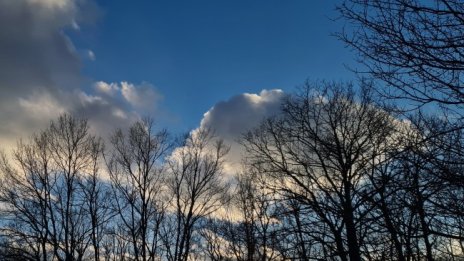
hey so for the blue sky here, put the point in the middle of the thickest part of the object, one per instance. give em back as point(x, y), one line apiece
point(197, 53)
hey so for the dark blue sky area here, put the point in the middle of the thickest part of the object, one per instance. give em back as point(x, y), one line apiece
point(197, 53)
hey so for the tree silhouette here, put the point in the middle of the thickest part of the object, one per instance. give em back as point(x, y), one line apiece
point(415, 47)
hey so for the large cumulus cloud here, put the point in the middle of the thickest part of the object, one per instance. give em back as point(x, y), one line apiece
point(40, 72)
point(232, 118)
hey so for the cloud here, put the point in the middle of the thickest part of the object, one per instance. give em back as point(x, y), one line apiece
point(115, 105)
point(37, 62)
point(142, 96)
point(34, 51)
point(40, 106)
point(232, 118)
point(105, 113)
point(235, 116)
point(40, 72)
point(106, 88)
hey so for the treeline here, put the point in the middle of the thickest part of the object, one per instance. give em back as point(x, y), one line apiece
point(333, 177)
point(59, 204)
point(337, 175)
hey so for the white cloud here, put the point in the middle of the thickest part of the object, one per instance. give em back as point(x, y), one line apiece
point(41, 105)
point(106, 88)
point(232, 118)
point(114, 105)
point(141, 96)
point(119, 113)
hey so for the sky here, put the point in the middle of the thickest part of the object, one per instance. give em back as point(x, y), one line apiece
point(223, 64)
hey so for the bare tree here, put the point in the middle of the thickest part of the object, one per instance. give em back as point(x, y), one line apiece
point(26, 194)
point(319, 152)
point(43, 196)
point(433, 166)
point(97, 198)
point(250, 230)
point(415, 47)
point(253, 240)
point(72, 149)
point(198, 189)
point(136, 172)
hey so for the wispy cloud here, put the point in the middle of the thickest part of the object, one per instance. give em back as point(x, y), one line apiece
point(91, 55)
